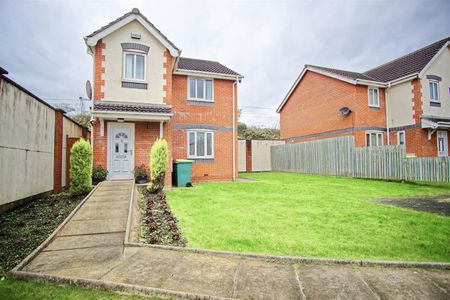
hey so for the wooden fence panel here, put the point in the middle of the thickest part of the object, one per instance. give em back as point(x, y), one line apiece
point(339, 157)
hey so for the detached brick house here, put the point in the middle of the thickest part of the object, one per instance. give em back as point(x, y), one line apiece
point(143, 90)
point(405, 101)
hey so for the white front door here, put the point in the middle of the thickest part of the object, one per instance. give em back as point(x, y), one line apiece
point(442, 143)
point(120, 153)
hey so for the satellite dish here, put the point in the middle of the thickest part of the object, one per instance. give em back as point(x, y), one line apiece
point(345, 111)
point(89, 89)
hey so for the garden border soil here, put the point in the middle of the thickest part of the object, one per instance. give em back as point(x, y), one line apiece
point(427, 204)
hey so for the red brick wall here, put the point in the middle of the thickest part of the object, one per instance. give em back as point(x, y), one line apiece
point(145, 134)
point(57, 166)
point(219, 114)
point(99, 70)
point(100, 144)
point(314, 106)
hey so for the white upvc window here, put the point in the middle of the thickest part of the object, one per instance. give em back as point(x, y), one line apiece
point(200, 144)
point(374, 97)
point(401, 138)
point(434, 91)
point(374, 138)
point(134, 66)
point(200, 89)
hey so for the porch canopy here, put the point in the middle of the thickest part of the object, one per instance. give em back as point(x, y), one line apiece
point(433, 123)
point(131, 111)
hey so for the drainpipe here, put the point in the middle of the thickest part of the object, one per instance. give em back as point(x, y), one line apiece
point(234, 131)
point(387, 115)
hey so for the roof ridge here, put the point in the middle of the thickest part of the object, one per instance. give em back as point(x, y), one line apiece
point(407, 54)
point(342, 70)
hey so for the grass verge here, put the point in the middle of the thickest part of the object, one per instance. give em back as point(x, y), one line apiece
point(312, 216)
point(13, 289)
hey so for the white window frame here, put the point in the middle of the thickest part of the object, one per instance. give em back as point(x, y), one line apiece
point(377, 132)
point(206, 156)
point(404, 137)
point(134, 62)
point(377, 104)
point(204, 89)
point(438, 100)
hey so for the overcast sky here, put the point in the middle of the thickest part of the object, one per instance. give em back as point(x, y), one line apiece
point(42, 47)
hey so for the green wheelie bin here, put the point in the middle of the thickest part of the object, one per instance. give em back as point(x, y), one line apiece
point(182, 172)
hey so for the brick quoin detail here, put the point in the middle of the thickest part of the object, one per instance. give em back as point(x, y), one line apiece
point(416, 90)
point(58, 148)
point(99, 71)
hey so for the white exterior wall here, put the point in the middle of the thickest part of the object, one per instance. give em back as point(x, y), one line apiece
point(440, 67)
point(70, 129)
point(399, 105)
point(114, 66)
point(261, 154)
point(26, 145)
point(242, 162)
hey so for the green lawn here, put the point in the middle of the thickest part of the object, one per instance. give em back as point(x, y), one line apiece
point(312, 216)
point(20, 289)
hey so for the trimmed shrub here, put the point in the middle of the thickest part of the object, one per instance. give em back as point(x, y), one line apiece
point(158, 164)
point(80, 168)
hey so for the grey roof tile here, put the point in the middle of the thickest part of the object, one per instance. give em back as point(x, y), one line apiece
point(192, 64)
point(113, 106)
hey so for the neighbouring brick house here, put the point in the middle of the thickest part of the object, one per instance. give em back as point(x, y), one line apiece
point(405, 101)
point(144, 90)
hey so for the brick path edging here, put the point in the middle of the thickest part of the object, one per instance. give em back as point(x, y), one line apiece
point(44, 244)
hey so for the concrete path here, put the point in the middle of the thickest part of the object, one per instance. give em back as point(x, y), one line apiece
point(91, 246)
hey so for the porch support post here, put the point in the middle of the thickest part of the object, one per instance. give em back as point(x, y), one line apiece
point(102, 127)
point(161, 129)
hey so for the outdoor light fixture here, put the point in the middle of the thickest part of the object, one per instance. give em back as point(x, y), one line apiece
point(120, 120)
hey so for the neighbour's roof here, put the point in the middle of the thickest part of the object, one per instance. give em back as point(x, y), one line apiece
point(408, 64)
point(343, 73)
point(200, 65)
point(3, 71)
point(113, 106)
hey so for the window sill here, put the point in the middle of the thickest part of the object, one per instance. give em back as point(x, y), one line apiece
point(373, 107)
point(435, 103)
point(199, 159)
point(200, 100)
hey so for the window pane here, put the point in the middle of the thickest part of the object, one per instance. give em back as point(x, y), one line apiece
point(375, 97)
point(440, 144)
point(125, 148)
point(370, 96)
point(200, 144)
point(192, 143)
point(209, 144)
point(200, 83)
point(129, 71)
point(380, 139)
point(140, 67)
point(367, 139)
point(209, 89)
point(116, 148)
point(373, 139)
point(192, 88)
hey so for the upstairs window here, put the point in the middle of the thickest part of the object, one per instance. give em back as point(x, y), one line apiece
point(374, 99)
point(134, 66)
point(200, 89)
point(434, 91)
point(200, 144)
point(374, 139)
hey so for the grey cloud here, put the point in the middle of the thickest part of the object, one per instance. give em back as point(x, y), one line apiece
point(41, 43)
